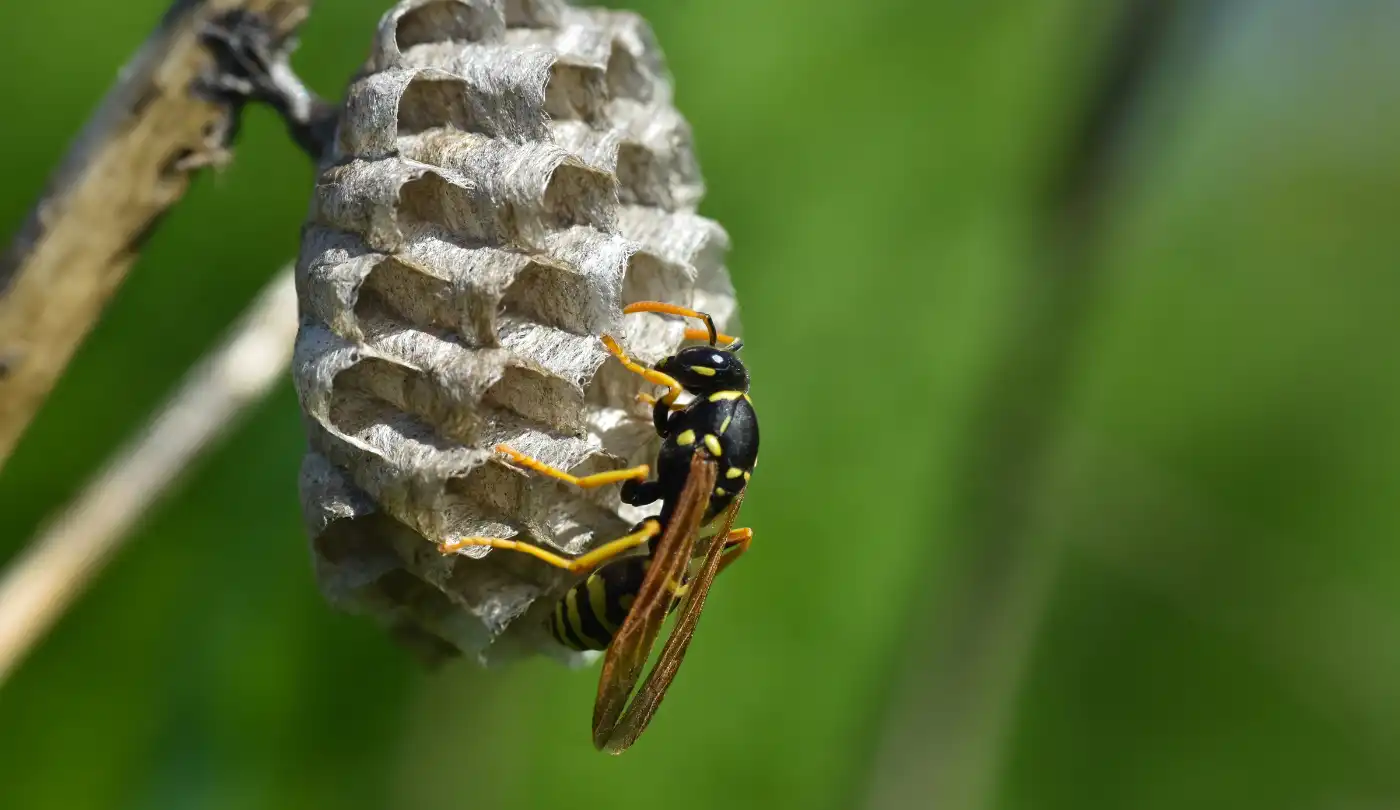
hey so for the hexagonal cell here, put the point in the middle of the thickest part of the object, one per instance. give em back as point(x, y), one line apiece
point(511, 194)
point(576, 92)
point(669, 178)
point(534, 13)
point(626, 77)
point(552, 295)
point(436, 21)
point(538, 397)
point(432, 199)
point(547, 512)
point(433, 101)
point(595, 148)
point(396, 290)
point(414, 393)
point(577, 194)
point(652, 278)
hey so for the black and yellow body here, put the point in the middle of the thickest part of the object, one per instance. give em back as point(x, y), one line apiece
point(720, 418)
point(708, 452)
point(592, 611)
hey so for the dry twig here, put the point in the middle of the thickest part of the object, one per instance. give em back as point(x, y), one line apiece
point(132, 162)
point(43, 581)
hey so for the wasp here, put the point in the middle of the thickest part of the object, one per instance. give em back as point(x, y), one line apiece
point(708, 452)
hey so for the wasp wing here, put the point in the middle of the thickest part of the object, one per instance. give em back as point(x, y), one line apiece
point(644, 706)
point(630, 647)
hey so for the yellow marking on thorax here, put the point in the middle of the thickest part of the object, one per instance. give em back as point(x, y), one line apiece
point(686, 439)
point(720, 396)
point(712, 444)
point(734, 472)
point(748, 399)
point(598, 600)
point(720, 491)
point(703, 371)
point(723, 426)
point(746, 477)
point(576, 620)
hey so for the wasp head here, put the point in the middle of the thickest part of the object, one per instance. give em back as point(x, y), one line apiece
point(707, 369)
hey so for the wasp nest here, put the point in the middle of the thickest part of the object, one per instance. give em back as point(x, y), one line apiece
point(506, 176)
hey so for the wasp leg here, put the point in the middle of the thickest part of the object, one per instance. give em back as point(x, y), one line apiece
point(735, 544)
point(578, 565)
point(640, 472)
point(661, 412)
point(711, 334)
point(648, 399)
point(651, 375)
point(640, 493)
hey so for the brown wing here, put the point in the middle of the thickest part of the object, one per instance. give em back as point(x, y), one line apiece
point(627, 654)
point(644, 706)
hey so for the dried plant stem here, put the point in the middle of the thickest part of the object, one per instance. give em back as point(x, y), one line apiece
point(131, 163)
point(234, 377)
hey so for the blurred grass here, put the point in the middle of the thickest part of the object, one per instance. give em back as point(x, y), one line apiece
point(1221, 633)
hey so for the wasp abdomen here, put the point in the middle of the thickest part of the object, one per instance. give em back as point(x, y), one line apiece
point(590, 613)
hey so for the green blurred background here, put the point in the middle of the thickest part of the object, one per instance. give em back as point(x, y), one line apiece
point(1070, 499)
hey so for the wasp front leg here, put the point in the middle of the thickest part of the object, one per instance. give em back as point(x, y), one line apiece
point(639, 472)
point(651, 375)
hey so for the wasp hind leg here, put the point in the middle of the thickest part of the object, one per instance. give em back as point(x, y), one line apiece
point(643, 532)
point(735, 544)
point(638, 473)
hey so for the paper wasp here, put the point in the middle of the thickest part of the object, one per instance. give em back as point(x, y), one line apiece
point(708, 451)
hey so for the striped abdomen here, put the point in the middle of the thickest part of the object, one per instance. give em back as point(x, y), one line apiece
point(590, 613)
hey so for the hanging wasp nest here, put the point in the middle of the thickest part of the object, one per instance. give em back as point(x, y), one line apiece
point(506, 176)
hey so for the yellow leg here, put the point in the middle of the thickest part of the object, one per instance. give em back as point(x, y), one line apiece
point(710, 333)
point(578, 565)
point(736, 543)
point(704, 334)
point(640, 472)
point(650, 374)
point(648, 399)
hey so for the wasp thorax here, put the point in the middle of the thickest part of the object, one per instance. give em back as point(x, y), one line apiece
point(506, 175)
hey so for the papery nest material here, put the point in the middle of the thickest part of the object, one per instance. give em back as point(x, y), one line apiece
point(506, 176)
